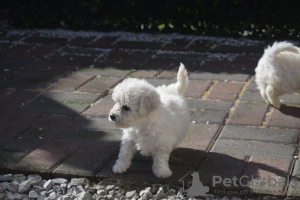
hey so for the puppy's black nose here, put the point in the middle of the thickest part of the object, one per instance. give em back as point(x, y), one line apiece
point(112, 117)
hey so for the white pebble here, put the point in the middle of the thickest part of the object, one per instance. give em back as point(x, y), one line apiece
point(48, 185)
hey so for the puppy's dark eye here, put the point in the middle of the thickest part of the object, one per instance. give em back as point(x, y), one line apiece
point(126, 108)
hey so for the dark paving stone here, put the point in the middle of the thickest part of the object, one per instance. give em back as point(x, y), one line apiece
point(268, 175)
point(17, 99)
point(177, 45)
point(138, 45)
point(81, 41)
point(19, 145)
point(46, 40)
point(216, 166)
point(141, 168)
point(104, 42)
point(246, 63)
point(47, 156)
point(14, 123)
point(87, 161)
point(88, 129)
point(9, 159)
point(201, 45)
point(47, 127)
point(64, 103)
point(114, 56)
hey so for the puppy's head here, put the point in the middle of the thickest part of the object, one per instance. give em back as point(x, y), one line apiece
point(134, 100)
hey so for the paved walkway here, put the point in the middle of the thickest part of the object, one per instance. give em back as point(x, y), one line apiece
point(55, 94)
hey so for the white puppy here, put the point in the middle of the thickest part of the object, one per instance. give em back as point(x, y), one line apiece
point(278, 72)
point(154, 120)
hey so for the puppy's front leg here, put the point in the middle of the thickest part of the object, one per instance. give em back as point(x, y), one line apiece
point(125, 156)
point(160, 164)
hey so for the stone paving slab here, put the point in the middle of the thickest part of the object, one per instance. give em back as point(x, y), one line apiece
point(87, 161)
point(55, 95)
point(249, 113)
point(269, 176)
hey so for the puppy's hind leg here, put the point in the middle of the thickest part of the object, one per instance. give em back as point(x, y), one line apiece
point(125, 156)
point(160, 165)
point(273, 96)
point(264, 94)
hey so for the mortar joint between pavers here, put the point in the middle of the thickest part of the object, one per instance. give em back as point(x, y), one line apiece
point(267, 115)
point(231, 110)
point(209, 89)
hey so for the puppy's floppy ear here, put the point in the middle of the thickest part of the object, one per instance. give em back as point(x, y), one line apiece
point(149, 102)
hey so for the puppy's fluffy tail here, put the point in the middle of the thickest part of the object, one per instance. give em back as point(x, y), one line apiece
point(182, 80)
point(279, 47)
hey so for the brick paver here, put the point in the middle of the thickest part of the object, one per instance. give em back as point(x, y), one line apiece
point(267, 175)
point(55, 95)
point(286, 117)
point(249, 113)
point(46, 157)
point(225, 91)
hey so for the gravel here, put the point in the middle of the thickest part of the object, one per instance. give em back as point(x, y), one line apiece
point(34, 187)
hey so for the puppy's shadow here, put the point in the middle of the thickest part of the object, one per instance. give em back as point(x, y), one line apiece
point(290, 110)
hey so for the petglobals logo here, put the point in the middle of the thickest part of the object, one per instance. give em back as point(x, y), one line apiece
point(249, 181)
point(196, 188)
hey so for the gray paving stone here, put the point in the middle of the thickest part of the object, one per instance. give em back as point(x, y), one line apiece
point(251, 93)
point(159, 82)
point(220, 77)
point(268, 135)
point(254, 148)
point(209, 116)
point(290, 99)
point(209, 105)
point(296, 171)
point(294, 185)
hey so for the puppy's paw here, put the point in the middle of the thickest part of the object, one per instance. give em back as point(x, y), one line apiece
point(120, 167)
point(163, 172)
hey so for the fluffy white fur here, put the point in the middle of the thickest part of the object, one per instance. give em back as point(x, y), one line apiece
point(278, 72)
point(154, 120)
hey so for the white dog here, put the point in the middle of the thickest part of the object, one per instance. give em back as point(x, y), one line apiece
point(154, 120)
point(278, 72)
